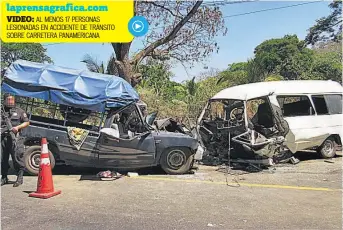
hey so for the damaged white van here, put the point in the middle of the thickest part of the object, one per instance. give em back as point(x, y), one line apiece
point(268, 121)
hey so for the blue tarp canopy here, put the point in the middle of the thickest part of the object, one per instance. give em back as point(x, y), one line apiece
point(71, 87)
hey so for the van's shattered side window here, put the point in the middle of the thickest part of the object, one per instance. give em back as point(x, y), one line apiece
point(295, 105)
point(260, 113)
point(252, 107)
point(334, 103)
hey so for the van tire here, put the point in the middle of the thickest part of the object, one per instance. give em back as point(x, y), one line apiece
point(328, 148)
point(176, 160)
point(32, 159)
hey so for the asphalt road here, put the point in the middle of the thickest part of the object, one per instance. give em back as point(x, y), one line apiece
point(303, 196)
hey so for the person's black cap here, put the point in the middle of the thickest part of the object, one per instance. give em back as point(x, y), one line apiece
point(7, 95)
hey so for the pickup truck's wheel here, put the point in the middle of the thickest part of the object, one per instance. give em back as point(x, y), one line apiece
point(328, 148)
point(32, 159)
point(176, 160)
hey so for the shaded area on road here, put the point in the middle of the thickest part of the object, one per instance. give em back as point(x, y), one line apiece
point(289, 196)
point(152, 204)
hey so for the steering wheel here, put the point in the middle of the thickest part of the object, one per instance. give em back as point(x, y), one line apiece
point(132, 123)
point(236, 113)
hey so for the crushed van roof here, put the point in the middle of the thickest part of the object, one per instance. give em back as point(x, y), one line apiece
point(260, 89)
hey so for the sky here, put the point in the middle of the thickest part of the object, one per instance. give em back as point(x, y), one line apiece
point(244, 34)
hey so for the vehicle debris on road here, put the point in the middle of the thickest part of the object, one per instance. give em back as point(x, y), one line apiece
point(107, 175)
point(132, 174)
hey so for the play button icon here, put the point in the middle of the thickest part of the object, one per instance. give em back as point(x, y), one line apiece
point(138, 26)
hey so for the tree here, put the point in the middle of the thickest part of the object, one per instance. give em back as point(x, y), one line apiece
point(327, 28)
point(156, 75)
point(94, 66)
point(287, 56)
point(235, 74)
point(242, 73)
point(327, 63)
point(180, 30)
point(274, 77)
point(255, 70)
point(11, 52)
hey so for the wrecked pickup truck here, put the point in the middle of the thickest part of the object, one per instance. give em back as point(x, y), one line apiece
point(91, 120)
point(268, 122)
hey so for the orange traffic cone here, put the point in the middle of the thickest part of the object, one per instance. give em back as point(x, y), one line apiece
point(45, 185)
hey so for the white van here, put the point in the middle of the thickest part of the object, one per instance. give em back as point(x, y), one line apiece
point(312, 110)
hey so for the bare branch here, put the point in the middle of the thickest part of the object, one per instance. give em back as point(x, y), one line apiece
point(167, 38)
point(164, 8)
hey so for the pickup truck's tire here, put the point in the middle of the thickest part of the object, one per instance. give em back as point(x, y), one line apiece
point(328, 148)
point(176, 160)
point(32, 159)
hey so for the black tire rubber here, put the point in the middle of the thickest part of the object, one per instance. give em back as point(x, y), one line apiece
point(323, 151)
point(29, 153)
point(186, 163)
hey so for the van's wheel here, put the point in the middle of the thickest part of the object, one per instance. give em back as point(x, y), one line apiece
point(328, 148)
point(32, 159)
point(176, 160)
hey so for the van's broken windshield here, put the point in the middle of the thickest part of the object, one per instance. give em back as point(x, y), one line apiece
point(242, 130)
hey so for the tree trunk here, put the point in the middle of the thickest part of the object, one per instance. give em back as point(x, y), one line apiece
point(126, 69)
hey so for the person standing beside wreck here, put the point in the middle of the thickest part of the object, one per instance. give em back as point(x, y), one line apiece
point(9, 146)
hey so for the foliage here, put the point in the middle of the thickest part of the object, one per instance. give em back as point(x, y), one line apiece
point(11, 52)
point(156, 75)
point(287, 56)
point(255, 70)
point(171, 108)
point(274, 77)
point(236, 74)
point(191, 87)
point(327, 28)
point(327, 64)
point(94, 66)
point(184, 100)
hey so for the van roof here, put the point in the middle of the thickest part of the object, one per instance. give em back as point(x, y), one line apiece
point(260, 89)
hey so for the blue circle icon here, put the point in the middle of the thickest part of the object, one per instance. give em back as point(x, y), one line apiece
point(138, 26)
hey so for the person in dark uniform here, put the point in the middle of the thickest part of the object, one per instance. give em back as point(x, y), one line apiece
point(15, 148)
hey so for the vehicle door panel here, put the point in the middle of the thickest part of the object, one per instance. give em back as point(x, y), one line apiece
point(305, 131)
point(117, 152)
point(84, 157)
